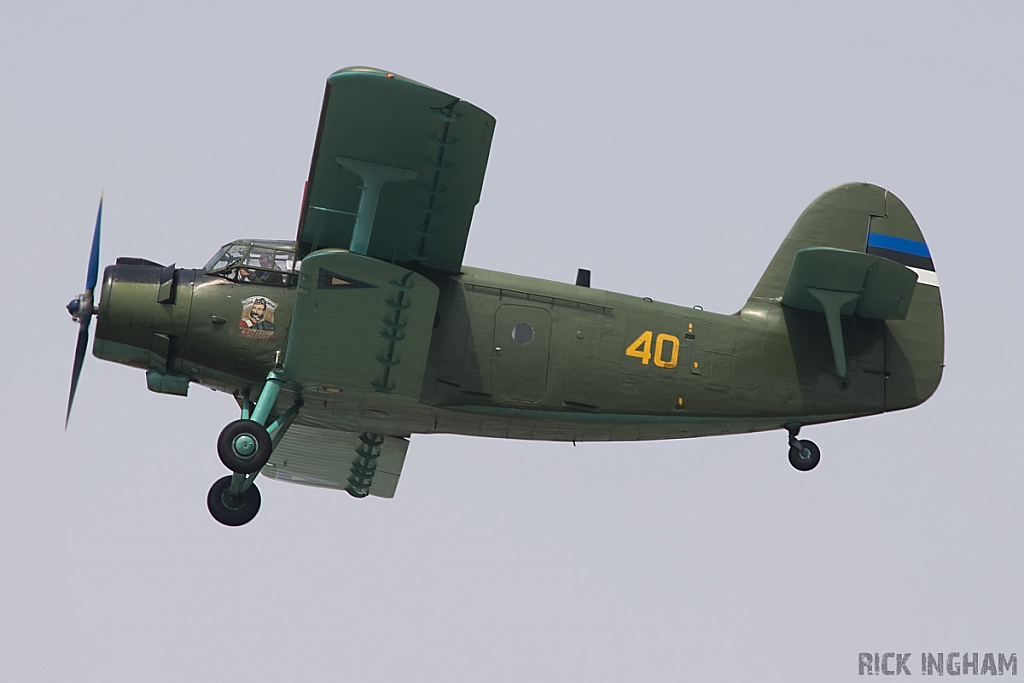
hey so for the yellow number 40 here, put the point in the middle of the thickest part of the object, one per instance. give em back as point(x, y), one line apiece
point(641, 348)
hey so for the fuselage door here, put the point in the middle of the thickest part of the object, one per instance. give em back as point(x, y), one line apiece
point(519, 368)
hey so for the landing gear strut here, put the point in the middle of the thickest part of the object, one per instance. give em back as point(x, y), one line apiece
point(244, 446)
point(804, 454)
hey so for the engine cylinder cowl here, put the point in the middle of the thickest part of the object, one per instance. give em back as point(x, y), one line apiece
point(143, 314)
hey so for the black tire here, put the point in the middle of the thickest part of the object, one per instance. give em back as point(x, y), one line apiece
point(231, 446)
point(232, 510)
point(805, 458)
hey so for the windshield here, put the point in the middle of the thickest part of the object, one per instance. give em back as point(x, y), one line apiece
point(227, 257)
point(263, 262)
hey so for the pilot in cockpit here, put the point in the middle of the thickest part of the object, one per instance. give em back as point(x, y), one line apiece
point(264, 273)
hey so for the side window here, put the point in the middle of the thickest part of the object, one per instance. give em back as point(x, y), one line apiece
point(284, 260)
point(260, 258)
point(266, 267)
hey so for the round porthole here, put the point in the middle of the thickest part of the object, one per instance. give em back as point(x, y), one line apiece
point(522, 334)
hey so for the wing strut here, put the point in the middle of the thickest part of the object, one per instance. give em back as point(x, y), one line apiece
point(373, 176)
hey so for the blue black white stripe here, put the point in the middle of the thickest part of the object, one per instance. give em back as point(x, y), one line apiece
point(912, 254)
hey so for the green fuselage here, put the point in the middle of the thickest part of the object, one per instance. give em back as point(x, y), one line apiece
point(518, 357)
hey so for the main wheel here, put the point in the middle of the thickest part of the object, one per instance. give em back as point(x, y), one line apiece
point(806, 457)
point(230, 509)
point(244, 446)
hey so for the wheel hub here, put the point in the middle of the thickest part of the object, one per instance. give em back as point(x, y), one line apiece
point(232, 501)
point(244, 445)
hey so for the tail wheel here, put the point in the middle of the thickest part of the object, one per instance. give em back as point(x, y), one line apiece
point(804, 455)
point(244, 446)
point(232, 509)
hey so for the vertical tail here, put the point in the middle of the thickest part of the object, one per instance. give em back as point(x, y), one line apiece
point(868, 219)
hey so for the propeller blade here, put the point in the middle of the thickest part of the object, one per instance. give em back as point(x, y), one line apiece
point(81, 309)
point(94, 254)
point(80, 349)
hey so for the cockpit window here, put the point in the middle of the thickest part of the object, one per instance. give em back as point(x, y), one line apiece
point(227, 257)
point(267, 263)
point(268, 259)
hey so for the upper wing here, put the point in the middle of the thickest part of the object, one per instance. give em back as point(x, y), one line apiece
point(423, 150)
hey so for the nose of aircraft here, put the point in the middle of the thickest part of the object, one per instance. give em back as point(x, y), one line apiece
point(143, 314)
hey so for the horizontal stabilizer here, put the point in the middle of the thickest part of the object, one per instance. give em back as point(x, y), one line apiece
point(838, 282)
point(883, 288)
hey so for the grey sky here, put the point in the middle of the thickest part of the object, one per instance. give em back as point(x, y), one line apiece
point(667, 147)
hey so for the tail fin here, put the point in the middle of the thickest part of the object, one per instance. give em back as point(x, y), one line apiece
point(868, 219)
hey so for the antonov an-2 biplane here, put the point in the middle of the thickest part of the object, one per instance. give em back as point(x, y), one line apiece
point(368, 328)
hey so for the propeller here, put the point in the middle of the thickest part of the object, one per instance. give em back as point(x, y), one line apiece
point(82, 308)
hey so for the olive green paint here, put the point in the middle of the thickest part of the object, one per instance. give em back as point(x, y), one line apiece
point(406, 339)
